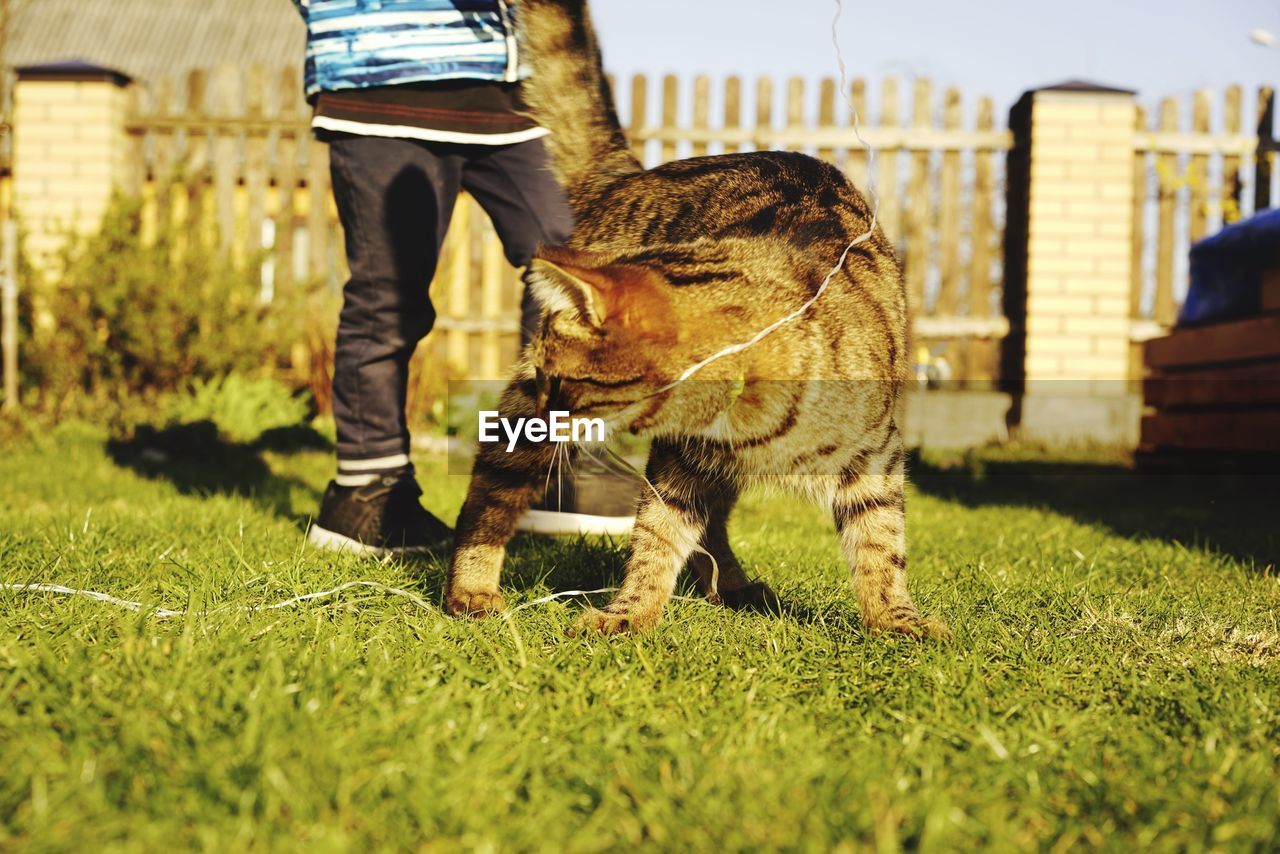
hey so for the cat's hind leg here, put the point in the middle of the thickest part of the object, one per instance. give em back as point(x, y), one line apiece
point(720, 575)
point(871, 520)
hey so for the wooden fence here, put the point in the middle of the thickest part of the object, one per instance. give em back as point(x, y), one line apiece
point(240, 141)
point(1199, 166)
point(241, 144)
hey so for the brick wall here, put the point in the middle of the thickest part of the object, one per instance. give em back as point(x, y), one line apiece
point(69, 153)
point(1078, 256)
point(1079, 237)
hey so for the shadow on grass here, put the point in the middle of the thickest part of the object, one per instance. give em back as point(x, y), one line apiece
point(1233, 514)
point(199, 461)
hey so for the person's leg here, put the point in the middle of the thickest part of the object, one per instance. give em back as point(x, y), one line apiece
point(514, 184)
point(394, 198)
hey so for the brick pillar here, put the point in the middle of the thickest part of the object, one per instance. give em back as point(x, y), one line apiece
point(69, 151)
point(1070, 214)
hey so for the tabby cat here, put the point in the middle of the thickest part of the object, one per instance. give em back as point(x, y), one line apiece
point(666, 267)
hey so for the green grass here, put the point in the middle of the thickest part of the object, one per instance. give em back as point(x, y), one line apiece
point(1114, 679)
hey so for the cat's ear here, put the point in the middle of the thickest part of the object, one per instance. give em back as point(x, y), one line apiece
point(566, 280)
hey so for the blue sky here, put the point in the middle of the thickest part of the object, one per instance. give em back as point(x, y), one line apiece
point(983, 47)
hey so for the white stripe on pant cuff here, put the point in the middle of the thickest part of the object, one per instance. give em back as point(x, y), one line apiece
point(394, 461)
point(354, 479)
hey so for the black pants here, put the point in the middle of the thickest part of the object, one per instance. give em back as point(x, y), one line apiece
point(395, 198)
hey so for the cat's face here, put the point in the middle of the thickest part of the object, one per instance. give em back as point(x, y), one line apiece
point(615, 336)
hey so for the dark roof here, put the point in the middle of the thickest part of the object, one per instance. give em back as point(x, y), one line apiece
point(71, 69)
point(147, 39)
point(1084, 86)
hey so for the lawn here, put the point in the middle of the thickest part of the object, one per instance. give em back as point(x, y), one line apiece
point(1114, 680)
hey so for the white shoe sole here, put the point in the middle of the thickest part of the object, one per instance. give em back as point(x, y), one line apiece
point(335, 542)
point(553, 522)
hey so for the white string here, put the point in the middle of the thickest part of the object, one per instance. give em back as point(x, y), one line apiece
point(861, 238)
point(167, 613)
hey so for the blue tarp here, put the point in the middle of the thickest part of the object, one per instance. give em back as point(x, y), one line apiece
point(1226, 270)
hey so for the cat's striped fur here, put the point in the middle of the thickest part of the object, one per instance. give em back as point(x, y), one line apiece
point(667, 266)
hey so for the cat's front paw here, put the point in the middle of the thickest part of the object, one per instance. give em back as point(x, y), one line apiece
point(474, 603)
point(611, 622)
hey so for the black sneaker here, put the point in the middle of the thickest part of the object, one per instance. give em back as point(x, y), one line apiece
point(594, 499)
point(379, 518)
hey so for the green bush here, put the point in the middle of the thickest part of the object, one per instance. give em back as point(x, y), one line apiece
point(242, 408)
point(128, 318)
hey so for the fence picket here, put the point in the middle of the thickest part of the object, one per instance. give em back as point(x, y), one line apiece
point(980, 364)
point(1232, 123)
point(855, 160)
point(1198, 170)
point(286, 181)
point(949, 215)
point(827, 115)
point(701, 111)
point(639, 114)
point(887, 178)
point(917, 237)
point(255, 163)
point(764, 112)
point(1265, 156)
point(670, 112)
point(732, 109)
point(1166, 179)
point(1137, 245)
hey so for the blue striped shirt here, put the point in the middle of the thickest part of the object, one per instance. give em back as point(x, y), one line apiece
point(354, 44)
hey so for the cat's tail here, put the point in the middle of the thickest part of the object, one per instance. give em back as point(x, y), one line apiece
point(570, 97)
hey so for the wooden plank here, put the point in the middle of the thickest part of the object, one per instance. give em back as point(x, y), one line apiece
point(457, 282)
point(913, 139)
point(135, 145)
point(670, 112)
point(764, 113)
point(916, 262)
point(732, 109)
point(1249, 430)
point(887, 175)
point(1232, 186)
point(701, 110)
point(1138, 237)
point(949, 215)
point(493, 269)
point(1255, 384)
point(980, 356)
point(200, 223)
point(827, 115)
point(286, 181)
point(1184, 142)
point(318, 221)
point(855, 162)
point(1263, 157)
point(255, 166)
point(795, 103)
point(1166, 310)
point(164, 165)
point(228, 101)
point(639, 114)
point(1237, 341)
point(1198, 170)
point(1271, 290)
